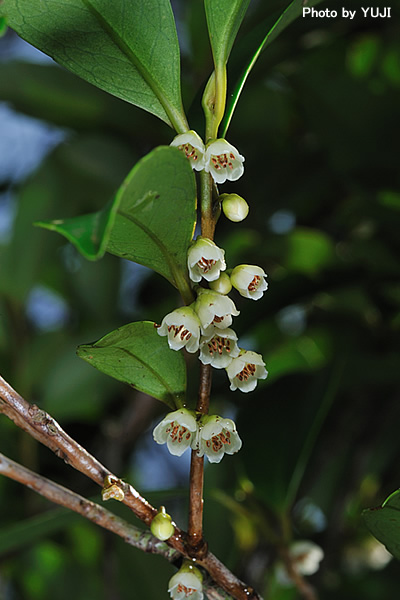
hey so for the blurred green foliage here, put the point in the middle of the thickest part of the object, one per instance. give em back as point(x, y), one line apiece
point(318, 123)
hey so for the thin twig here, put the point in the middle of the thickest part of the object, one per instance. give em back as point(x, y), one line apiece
point(40, 425)
point(198, 547)
point(46, 430)
point(143, 540)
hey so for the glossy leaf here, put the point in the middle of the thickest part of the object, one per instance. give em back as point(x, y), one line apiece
point(291, 13)
point(156, 214)
point(223, 20)
point(384, 523)
point(88, 233)
point(127, 47)
point(138, 356)
point(160, 189)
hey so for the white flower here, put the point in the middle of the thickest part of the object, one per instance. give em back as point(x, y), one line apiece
point(245, 370)
point(249, 280)
point(305, 558)
point(223, 161)
point(186, 583)
point(218, 348)
point(177, 430)
point(182, 326)
point(235, 207)
point(214, 309)
point(216, 437)
point(192, 145)
point(205, 259)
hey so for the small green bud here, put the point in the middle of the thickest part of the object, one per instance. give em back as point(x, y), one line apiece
point(161, 526)
point(235, 207)
point(222, 284)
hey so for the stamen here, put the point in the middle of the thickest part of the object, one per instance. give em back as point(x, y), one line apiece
point(217, 319)
point(247, 372)
point(189, 151)
point(253, 285)
point(206, 264)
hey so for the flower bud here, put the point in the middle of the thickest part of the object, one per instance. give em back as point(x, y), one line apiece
point(235, 207)
point(161, 526)
point(222, 285)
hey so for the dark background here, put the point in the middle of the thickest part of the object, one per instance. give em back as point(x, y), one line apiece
point(319, 124)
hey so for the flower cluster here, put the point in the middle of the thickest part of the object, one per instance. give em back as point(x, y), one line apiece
point(219, 158)
point(210, 435)
point(205, 325)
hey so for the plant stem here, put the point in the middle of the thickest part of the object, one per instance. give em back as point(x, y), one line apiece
point(208, 217)
point(62, 496)
point(41, 426)
point(196, 545)
point(195, 526)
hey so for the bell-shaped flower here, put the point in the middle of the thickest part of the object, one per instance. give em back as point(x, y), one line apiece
point(234, 207)
point(186, 583)
point(182, 326)
point(205, 259)
point(245, 370)
point(214, 310)
point(192, 145)
point(223, 161)
point(218, 348)
point(178, 430)
point(304, 556)
point(249, 280)
point(217, 436)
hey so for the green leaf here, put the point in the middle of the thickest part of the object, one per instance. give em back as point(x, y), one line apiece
point(224, 19)
point(88, 233)
point(291, 13)
point(3, 26)
point(137, 355)
point(156, 215)
point(384, 523)
point(159, 190)
point(127, 47)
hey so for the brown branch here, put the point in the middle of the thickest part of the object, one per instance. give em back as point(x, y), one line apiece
point(197, 546)
point(40, 425)
point(46, 430)
point(143, 540)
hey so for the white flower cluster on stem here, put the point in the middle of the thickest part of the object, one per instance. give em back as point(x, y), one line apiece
point(205, 325)
point(210, 435)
